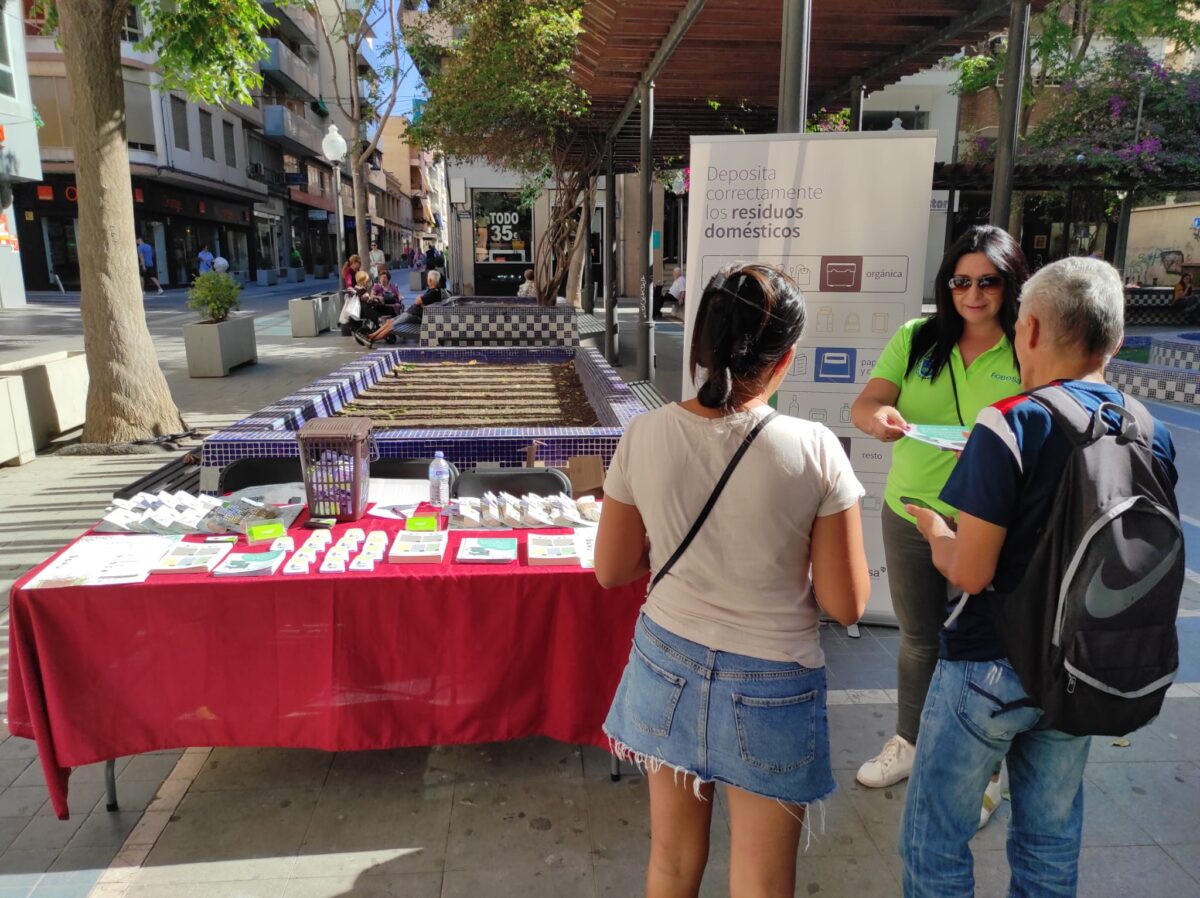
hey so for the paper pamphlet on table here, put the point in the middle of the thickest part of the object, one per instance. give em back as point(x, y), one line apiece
point(487, 550)
point(251, 564)
point(192, 558)
point(105, 560)
point(183, 514)
point(952, 438)
point(585, 548)
point(503, 512)
point(415, 547)
point(384, 491)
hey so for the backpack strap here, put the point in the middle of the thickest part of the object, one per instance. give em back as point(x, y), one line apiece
point(1082, 427)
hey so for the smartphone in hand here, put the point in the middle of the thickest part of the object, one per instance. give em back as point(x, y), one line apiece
point(920, 503)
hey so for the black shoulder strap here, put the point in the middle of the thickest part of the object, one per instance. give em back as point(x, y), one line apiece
point(712, 500)
point(1082, 426)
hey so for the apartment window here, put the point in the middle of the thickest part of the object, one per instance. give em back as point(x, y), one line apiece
point(7, 83)
point(131, 31)
point(206, 136)
point(230, 145)
point(179, 123)
point(139, 114)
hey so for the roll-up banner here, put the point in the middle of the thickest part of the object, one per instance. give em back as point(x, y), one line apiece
point(846, 216)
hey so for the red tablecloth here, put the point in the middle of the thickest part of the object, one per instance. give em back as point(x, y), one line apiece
point(409, 655)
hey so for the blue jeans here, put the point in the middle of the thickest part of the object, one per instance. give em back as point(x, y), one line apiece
point(976, 714)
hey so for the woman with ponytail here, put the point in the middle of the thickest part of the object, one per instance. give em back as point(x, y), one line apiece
point(745, 519)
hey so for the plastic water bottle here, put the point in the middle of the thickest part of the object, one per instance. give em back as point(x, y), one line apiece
point(439, 481)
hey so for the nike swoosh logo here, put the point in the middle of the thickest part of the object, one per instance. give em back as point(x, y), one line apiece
point(1103, 602)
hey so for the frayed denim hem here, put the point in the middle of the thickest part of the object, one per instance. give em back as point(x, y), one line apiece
point(653, 764)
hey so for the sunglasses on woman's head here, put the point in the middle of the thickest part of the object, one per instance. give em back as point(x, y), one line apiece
point(987, 282)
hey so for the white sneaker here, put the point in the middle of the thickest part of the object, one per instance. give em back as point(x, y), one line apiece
point(993, 795)
point(890, 766)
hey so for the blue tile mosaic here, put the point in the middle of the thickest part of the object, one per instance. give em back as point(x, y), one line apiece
point(270, 432)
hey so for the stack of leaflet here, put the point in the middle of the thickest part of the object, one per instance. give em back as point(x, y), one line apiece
point(487, 550)
point(167, 513)
point(192, 558)
point(501, 511)
point(578, 548)
point(418, 548)
point(251, 564)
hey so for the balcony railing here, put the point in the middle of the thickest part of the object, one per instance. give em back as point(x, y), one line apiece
point(288, 70)
point(293, 133)
point(295, 22)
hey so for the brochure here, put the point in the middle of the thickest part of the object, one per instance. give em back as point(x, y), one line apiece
point(949, 437)
point(553, 549)
point(585, 548)
point(192, 558)
point(251, 564)
point(487, 550)
point(104, 560)
point(416, 547)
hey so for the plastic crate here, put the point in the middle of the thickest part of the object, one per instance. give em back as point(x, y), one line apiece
point(336, 454)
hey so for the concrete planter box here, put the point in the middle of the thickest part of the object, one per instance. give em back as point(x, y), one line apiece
point(213, 350)
point(416, 280)
point(320, 271)
point(295, 275)
point(55, 388)
point(16, 438)
point(267, 277)
point(309, 315)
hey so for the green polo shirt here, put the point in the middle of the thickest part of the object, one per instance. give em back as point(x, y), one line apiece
point(918, 469)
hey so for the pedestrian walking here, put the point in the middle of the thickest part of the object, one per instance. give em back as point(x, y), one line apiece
point(146, 265)
point(377, 259)
point(205, 259)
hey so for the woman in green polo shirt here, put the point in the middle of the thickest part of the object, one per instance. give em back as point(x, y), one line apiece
point(940, 370)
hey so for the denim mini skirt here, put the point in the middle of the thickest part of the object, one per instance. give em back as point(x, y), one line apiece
point(755, 724)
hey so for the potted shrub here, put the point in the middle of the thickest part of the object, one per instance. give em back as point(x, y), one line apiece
point(219, 342)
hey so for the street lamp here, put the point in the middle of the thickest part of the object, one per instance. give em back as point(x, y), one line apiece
point(333, 146)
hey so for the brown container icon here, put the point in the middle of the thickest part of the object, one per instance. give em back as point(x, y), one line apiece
point(841, 274)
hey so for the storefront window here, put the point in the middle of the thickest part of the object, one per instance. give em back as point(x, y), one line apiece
point(503, 230)
point(503, 241)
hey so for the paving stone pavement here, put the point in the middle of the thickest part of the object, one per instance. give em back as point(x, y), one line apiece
point(531, 818)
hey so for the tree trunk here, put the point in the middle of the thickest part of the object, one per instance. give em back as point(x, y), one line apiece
point(358, 186)
point(579, 250)
point(128, 397)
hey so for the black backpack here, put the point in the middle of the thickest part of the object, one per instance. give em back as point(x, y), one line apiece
point(1090, 629)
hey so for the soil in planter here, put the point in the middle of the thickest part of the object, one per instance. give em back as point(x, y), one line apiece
point(473, 395)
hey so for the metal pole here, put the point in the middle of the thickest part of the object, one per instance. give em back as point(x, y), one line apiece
point(645, 326)
point(611, 347)
point(793, 66)
point(1010, 112)
point(588, 297)
point(856, 103)
point(341, 221)
point(1122, 247)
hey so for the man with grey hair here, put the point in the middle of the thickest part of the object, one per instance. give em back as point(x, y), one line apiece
point(976, 712)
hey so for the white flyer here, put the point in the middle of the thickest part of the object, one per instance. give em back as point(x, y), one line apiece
point(105, 560)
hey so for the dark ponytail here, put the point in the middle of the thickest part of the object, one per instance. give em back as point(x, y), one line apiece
point(747, 320)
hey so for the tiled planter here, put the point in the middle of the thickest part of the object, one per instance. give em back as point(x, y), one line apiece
point(270, 432)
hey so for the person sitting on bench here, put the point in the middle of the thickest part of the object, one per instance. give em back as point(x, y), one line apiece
point(434, 294)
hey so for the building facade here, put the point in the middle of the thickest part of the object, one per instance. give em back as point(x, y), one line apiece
point(19, 149)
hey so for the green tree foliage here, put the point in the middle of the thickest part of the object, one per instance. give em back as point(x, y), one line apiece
point(1062, 41)
point(1127, 118)
point(502, 91)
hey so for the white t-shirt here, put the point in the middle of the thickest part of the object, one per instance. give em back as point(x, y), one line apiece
point(678, 287)
point(743, 585)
